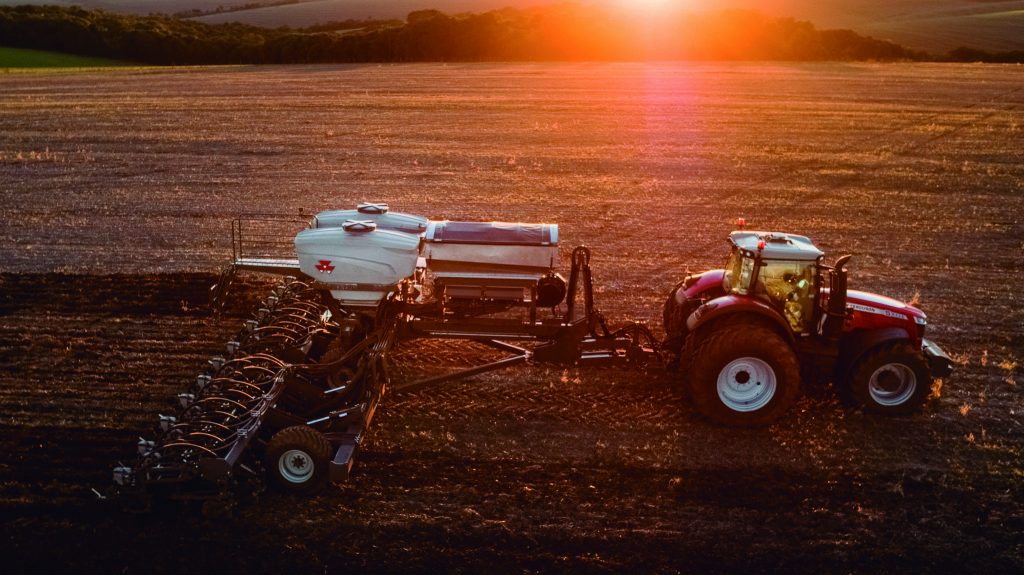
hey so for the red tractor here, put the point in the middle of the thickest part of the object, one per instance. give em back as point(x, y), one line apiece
point(745, 336)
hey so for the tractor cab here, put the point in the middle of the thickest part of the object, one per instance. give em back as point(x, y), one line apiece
point(782, 270)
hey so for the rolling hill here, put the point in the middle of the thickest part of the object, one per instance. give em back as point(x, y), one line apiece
point(933, 25)
point(936, 26)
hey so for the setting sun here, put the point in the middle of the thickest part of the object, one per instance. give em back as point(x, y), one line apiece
point(658, 5)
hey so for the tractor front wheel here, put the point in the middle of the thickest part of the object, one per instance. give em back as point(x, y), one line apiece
point(743, 375)
point(890, 380)
point(297, 459)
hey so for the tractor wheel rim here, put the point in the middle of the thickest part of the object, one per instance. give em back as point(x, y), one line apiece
point(746, 384)
point(892, 384)
point(295, 466)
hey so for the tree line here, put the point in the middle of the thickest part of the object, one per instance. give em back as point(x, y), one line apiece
point(554, 33)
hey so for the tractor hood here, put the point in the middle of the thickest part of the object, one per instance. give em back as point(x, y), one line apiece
point(872, 311)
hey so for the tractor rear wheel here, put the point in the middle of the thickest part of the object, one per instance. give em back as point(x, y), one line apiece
point(890, 380)
point(297, 459)
point(743, 375)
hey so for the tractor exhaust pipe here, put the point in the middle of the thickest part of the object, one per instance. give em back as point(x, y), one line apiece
point(836, 312)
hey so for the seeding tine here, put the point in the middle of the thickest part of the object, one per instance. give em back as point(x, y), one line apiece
point(186, 399)
point(202, 381)
point(145, 447)
point(166, 421)
point(232, 347)
point(123, 476)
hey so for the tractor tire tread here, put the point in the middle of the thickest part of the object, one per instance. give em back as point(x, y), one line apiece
point(723, 342)
point(854, 391)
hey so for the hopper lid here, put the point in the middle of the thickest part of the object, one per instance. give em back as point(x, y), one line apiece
point(372, 208)
point(359, 226)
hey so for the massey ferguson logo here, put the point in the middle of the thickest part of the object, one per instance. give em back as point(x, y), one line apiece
point(324, 266)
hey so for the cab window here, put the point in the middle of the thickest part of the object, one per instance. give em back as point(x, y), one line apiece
point(790, 287)
point(738, 271)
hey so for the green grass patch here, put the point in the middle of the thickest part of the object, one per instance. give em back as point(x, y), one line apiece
point(24, 58)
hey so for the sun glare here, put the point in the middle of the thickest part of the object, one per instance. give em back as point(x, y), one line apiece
point(656, 5)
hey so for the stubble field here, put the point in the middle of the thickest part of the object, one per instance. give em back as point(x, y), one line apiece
point(116, 193)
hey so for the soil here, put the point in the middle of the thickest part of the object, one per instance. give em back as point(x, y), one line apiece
point(119, 187)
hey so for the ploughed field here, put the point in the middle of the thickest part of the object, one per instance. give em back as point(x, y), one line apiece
point(117, 189)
